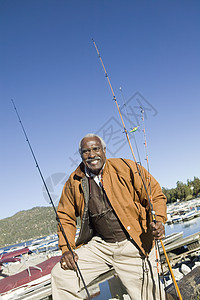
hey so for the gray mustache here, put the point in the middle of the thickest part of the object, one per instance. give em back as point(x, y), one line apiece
point(91, 159)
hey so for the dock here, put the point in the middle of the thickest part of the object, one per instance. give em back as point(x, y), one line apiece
point(181, 249)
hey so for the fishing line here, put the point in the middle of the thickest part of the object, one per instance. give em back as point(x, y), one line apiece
point(51, 201)
point(138, 169)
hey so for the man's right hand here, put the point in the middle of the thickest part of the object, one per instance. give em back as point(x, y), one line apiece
point(68, 262)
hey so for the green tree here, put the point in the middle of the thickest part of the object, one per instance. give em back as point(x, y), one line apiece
point(182, 190)
point(170, 194)
point(173, 195)
point(196, 185)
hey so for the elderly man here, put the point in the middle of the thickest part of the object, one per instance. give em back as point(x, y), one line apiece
point(116, 228)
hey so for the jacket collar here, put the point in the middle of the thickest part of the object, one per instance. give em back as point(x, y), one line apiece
point(80, 170)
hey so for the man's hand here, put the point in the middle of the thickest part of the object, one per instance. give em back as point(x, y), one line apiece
point(68, 262)
point(158, 230)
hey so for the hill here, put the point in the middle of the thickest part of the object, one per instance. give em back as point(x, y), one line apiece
point(26, 225)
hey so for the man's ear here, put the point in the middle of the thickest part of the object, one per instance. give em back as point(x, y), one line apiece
point(104, 150)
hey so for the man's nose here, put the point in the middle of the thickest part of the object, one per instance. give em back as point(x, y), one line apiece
point(92, 153)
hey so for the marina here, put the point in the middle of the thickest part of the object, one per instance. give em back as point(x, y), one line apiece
point(183, 211)
point(26, 268)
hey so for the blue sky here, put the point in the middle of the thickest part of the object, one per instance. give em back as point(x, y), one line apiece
point(50, 68)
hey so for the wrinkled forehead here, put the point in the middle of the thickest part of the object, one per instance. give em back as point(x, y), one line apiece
point(90, 142)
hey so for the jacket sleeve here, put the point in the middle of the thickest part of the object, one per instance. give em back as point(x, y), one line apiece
point(158, 200)
point(67, 215)
point(154, 191)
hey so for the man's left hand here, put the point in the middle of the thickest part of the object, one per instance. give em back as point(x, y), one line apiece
point(158, 230)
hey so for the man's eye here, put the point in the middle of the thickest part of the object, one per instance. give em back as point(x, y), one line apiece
point(85, 151)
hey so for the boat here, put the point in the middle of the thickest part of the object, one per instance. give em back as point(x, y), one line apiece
point(176, 219)
point(14, 253)
point(44, 246)
point(26, 273)
point(183, 211)
point(190, 215)
point(30, 283)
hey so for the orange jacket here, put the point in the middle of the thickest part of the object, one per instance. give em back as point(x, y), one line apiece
point(126, 193)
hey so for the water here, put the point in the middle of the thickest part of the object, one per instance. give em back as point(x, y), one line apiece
point(104, 291)
point(188, 228)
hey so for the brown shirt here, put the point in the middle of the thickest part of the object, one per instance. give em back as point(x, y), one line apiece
point(102, 216)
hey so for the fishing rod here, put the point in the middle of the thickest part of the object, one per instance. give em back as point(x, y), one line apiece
point(133, 130)
point(149, 179)
point(142, 179)
point(146, 152)
point(51, 201)
point(149, 182)
point(125, 130)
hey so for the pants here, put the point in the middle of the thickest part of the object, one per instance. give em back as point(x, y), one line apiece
point(137, 273)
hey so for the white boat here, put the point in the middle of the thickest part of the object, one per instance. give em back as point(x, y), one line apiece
point(177, 219)
point(190, 215)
